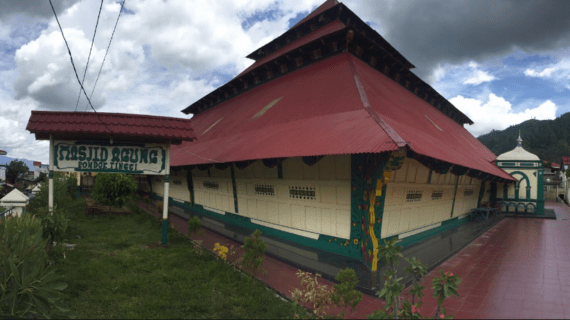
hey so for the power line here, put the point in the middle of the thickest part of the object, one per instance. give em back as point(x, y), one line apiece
point(89, 57)
point(74, 69)
point(104, 58)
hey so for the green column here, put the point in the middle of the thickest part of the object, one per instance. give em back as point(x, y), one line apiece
point(540, 192)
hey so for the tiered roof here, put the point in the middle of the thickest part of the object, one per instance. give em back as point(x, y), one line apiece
point(329, 85)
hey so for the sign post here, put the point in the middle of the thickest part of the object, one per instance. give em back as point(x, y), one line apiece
point(165, 198)
point(50, 184)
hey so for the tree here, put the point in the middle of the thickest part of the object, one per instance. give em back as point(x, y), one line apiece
point(15, 168)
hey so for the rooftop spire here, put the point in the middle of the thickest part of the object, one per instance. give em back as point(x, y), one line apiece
point(519, 140)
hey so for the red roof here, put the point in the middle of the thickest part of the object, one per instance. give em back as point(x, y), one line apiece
point(566, 160)
point(119, 126)
point(322, 110)
point(325, 6)
point(37, 163)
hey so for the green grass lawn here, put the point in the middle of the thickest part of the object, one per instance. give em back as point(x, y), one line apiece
point(118, 270)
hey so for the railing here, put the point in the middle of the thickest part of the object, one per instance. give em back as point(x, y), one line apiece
point(7, 212)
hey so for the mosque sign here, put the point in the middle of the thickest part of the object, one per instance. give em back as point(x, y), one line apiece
point(104, 156)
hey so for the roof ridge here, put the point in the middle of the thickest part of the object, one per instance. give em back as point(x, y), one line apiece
point(396, 138)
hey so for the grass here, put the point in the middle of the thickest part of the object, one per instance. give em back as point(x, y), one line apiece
point(118, 270)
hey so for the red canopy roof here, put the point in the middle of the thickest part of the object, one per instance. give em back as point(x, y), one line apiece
point(119, 126)
point(566, 160)
point(339, 105)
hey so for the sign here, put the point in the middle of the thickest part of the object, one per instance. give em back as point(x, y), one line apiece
point(102, 156)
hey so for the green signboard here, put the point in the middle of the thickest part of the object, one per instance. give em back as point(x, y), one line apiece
point(95, 156)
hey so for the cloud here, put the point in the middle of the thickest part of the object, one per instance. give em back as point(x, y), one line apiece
point(497, 113)
point(33, 8)
point(431, 32)
point(480, 77)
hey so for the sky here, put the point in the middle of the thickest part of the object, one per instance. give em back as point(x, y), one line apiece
point(499, 62)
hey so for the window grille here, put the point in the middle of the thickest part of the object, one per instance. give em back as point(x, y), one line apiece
point(437, 195)
point(468, 192)
point(211, 185)
point(414, 196)
point(264, 190)
point(177, 182)
point(307, 193)
point(157, 180)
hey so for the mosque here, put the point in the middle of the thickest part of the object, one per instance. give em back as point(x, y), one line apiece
point(527, 195)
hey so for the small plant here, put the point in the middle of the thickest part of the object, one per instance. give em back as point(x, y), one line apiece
point(396, 307)
point(316, 296)
point(159, 206)
point(54, 225)
point(30, 288)
point(444, 287)
point(194, 225)
point(221, 251)
point(254, 253)
point(114, 189)
point(197, 247)
point(345, 293)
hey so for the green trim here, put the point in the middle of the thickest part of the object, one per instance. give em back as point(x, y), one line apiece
point(518, 200)
point(50, 174)
point(506, 164)
point(167, 178)
point(517, 187)
point(454, 197)
point(164, 231)
point(445, 225)
point(540, 192)
point(229, 219)
point(528, 165)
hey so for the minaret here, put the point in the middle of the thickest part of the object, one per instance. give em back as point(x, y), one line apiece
point(519, 140)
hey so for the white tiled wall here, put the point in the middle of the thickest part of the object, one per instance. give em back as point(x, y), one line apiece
point(401, 216)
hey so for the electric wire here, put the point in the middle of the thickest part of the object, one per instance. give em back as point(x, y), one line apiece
point(105, 57)
point(74, 69)
point(89, 57)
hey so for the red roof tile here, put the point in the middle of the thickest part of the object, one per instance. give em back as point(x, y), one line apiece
point(82, 125)
point(566, 160)
point(320, 110)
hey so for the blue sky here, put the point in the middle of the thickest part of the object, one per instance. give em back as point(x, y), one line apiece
point(499, 62)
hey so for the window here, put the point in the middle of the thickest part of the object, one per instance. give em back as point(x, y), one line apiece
point(437, 195)
point(468, 192)
point(307, 193)
point(211, 185)
point(177, 182)
point(264, 190)
point(414, 196)
point(317, 54)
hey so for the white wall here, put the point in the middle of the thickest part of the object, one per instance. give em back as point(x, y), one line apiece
point(402, 215)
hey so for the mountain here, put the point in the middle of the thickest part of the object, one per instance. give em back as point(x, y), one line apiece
point(6, 160)
point(548, 139)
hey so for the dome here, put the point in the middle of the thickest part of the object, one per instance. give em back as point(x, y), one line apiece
point(518, 154)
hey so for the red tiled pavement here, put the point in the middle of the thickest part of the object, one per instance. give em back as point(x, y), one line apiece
point(520, 268)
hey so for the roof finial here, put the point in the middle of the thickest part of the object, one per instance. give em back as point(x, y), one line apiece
point(519, 140)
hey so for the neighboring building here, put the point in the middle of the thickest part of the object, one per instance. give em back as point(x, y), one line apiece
point(40, 168)
point(15, 199)
point(2, 174)
point(564, 166)
point(552, 180)
point(329, 141)
point(527, 195)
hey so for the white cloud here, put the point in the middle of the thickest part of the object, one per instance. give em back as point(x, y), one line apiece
point(559, 72)
point(478, 76)
point(497, 113)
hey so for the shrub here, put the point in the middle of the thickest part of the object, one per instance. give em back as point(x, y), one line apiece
point(29, 285)
point(345, 293)
point(53, 225)
point(194, 225)
point(114, 189)
point(254, 253)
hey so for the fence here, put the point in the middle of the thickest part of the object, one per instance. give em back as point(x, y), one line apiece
point(7, 212)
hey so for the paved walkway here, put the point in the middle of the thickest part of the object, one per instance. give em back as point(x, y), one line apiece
point(520, 268)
